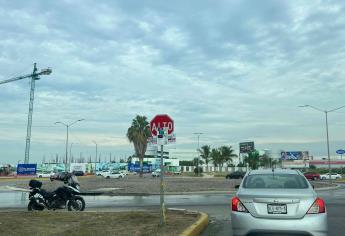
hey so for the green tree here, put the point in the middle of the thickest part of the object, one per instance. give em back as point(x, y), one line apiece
point(205, 152)
point(138, 133)
point(227, 153)
point(265, 161)
point(216, 157)
point(253, 160)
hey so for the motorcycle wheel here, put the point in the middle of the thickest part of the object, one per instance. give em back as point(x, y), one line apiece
point(32, 207)
point(78, 204)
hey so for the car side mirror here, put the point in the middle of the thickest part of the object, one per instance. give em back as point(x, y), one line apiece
point(237, 186)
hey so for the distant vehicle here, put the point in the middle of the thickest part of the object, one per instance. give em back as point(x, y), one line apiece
point(235, 175)
point(312, 176)
point(78, 173)
point(177, 172)
point(333, 176)
point(156, 173)
point(114, 175)
point(279, 202)
point(103, 172)
point(45, 174)
point(125, 172)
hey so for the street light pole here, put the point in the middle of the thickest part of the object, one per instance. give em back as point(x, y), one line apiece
point(327, 135)
point(96, 151)
point(67, 130)
point(70, 152)
point(328, 152)
point(197, 166)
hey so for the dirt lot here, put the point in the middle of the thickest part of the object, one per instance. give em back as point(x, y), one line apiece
point(146, 185)
point(92, 223)
point(134, 185)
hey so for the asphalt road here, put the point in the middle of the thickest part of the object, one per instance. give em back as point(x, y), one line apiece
point(216, 205)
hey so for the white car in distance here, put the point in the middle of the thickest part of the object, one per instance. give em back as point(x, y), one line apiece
point(45, 174)
point(103, 172)
point(114, 175)
point(333, 176)
point(156, 173)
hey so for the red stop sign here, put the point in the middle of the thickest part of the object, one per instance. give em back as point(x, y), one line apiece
point(161, 121)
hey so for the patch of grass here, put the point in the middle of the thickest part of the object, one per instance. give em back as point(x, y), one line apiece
point(190, 174)
point(218, 174)
point(92, 223)
point(342, 180)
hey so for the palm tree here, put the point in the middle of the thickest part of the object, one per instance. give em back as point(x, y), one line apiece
point(265, 161)
point(138, 133)
point(227, 154)
point(205, 152)
point(253, 159)
point(216, 157)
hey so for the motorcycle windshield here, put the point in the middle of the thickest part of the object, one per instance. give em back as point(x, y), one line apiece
point(74, 180)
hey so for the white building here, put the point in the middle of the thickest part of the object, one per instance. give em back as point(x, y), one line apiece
point(183, 154)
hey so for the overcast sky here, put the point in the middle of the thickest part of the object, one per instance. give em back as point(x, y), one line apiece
point(233, 70)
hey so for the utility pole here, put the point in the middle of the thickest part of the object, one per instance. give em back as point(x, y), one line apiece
point(34, 76)
point(197, 165)
point(67, 129)
point(327, 136)
point(96, 151)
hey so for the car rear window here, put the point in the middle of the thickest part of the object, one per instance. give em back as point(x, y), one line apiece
point(279, 181)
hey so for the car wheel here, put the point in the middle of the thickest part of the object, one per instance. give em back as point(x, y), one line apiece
point(40, 176)
point(108, 177)
point(323, 178)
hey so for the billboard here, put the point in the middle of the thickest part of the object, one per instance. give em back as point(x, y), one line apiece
point(110, 166)
point(247, 147)
point(147, 168)
point(295, 155)
point(26, 169)
point(51, 167)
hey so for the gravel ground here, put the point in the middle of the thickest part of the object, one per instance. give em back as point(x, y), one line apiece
point(134, 185)
point(146, 185)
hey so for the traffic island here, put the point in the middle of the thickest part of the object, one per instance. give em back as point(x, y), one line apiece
point(141, 223)
point(199, 225)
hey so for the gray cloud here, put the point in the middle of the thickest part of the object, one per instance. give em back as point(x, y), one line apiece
point(234, 70)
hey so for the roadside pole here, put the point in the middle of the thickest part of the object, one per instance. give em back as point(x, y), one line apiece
point(162, 128)
point(162, 205)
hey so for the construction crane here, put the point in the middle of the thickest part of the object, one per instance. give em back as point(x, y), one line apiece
point(34, 76)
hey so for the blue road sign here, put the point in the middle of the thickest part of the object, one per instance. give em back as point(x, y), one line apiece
point(26, 169)
point(340, 151)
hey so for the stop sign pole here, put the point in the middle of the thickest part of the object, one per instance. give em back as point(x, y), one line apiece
point(161, 126)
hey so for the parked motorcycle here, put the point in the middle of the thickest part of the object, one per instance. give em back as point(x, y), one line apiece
point(62, 197)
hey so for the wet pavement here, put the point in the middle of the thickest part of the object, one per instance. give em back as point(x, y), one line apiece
point(216, 205)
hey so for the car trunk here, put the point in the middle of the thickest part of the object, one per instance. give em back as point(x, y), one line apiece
point(277, 203)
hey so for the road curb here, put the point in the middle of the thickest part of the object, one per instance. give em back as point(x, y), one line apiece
point(196, 228)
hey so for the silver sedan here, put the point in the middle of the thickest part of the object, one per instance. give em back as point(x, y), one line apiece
point(277, 202)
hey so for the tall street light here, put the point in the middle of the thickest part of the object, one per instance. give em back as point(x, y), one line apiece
point(197, 166)
point(67, 128)
point(326, 115)
point(96, 151)
point(70, 152)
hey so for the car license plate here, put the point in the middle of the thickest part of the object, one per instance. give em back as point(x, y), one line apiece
point(276, 209)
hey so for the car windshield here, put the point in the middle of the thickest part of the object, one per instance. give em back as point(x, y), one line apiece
point(273, 181)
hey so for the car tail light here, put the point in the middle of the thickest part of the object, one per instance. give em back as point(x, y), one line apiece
point(317, 207)
point(237, 205)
